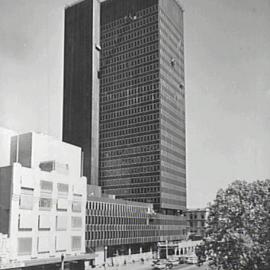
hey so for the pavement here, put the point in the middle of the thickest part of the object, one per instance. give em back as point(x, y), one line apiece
point(147, 266)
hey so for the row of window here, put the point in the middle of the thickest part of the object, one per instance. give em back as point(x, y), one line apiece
point(168, 126)
point(173, 172)
point(152, 78)
point(129, 131)
point(94, 235)
point(126, 93)
point(196, 216)
point(140, 13)
point(196, 224)
point(136, 190)
point(178, 136)
point(155, 200)
point(129, 141)
point(145, 60)
point(130, 151)
point(172, 142)
point(26, 201)
point(26, 223)
point(116, 208)
point(131, 49)
point(47, 186)
point(25, 245)
point(134, 49)
point(174, 123)
point(138, 23)
point(129, 171)
point(128, 161)
point(173, 115)
point(128, 74)
point(150, 97)
point(125, 123)
point(150, 180)
point(169, 148)
point(138, 33)
point(171, 102)
point(130, 112)
point(111, 220)
point(174, 161)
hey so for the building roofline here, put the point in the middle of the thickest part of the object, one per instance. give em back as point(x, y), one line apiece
point(77, 2)
point(179, 4)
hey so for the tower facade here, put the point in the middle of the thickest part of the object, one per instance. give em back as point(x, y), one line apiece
point(81, 83)
point(142, 103)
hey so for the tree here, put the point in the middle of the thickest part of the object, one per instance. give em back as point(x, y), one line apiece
point(238, 228)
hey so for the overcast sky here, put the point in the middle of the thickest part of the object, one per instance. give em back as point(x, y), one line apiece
point(227, 55)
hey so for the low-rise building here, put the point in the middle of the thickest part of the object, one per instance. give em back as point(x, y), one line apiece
point(123, 230)
point(43, 198)
point(196, 219)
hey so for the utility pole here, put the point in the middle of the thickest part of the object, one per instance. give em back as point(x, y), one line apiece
point(62, 262)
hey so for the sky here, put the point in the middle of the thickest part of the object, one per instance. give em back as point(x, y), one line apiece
point(227, 71)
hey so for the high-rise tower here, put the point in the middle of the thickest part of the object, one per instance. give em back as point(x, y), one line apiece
point(142, 103)
point(81, 82)
point(124, 93)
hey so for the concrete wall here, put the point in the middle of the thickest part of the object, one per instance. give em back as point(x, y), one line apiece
point(5, 139)
point(35, 148)
point(5, 197)
point(51, 229)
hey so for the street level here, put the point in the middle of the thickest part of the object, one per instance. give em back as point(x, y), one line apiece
point(147, 266)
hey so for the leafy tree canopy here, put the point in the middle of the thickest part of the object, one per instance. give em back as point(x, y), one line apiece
point(238, 228)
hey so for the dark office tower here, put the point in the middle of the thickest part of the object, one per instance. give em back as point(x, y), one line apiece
point(81, 83)
point(142, 103)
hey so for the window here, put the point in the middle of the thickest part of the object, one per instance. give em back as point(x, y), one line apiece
point(46, 186)
point(45, 203)
point(62, 188)
point(25, 246)
point(76, 206)
point(61, 223)
point(76, 243)
point(43, 245)
point(25, 221)
point(76, 222)
point(26, 199)
point(44, 222)
point(62, 204)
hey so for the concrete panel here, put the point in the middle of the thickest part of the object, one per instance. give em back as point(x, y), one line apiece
point(5, 197)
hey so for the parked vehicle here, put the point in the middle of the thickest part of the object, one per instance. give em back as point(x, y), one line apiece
point(159, 264)
point(171, 263)
point(192, 260)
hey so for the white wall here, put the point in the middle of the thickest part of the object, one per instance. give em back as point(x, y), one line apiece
point(57, 240)
point(36, 148)
point(5, 139)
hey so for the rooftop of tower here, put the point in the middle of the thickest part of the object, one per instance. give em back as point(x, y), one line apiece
point(76, 2)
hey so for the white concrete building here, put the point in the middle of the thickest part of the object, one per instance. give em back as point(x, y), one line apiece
point(42, 200)
point(5, 136)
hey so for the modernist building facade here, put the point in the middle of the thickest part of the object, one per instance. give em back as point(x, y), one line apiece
point(141, 97)
point(142, 103)
point(43, 197)
point(125, 229)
